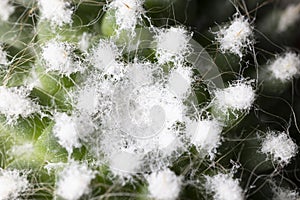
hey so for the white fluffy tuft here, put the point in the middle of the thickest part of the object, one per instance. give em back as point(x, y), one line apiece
point(6, 9)
point(172, 45)
point(164, 185)
point(285, 67)
point(235, 37)
point(238, 96)
point(14, 103)
point(74, 181)
point(289, 17)
point(3, 56)
point(285, 194)
point(12, 184)
point(280, 146)
point(224, 187)
point(58, 12)
point(59, 57)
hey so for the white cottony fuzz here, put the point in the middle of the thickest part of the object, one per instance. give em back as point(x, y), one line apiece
point(73, 181)
point(172, 44)
point(238, 96)
point(59, 57)
point(224, 187)
point(13, 184)
point(289, 17)
point(58, 12)
point(65, 129)
point(205, 134)
point(164, 185)
point(3, 56)
point(6, 9)
point(285, 67)
point(280, 146)
point(285, 194)
point(84, 42)
point(235, 37)
point(25, 149)
point(14, 103)
point(128, 13)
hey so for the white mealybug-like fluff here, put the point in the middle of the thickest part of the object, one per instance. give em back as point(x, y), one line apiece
point(164, 185)
point(205, 134)
point(58, 12)
point(127, 13)
point(224, 187)
point(74, 180)
point(14, 103)
point(172, 45)
point(238, 96)
point(285, 67)
point(3, 56)
point(6, 9)
point(59, 57)
point(13, 184)
point(280, 146)
point(235, 37)
point(285, 194)
point(289, 17)
point(66, 131)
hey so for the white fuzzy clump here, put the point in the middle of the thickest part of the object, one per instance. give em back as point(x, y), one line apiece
point(236, 37)
point(58, 12)
point(3, 56)
point(164, 185)
point(127, 13)
point(73, 181)
point(280, 146)
point(6, 9)
point(205, 134)
point(59, 57)
point(238, 96)
point(12, 184)
point(66, 131)
point(285, 194)
point(26, 149)
point(14, 103)
point(285, 67)
point(172, 45)
point(224, 187)
point(289, 17)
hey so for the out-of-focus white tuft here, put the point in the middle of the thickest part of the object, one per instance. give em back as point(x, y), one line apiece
point(238, 96)
point(285, 67)
point(280, 146)
point(59, 57)
point(236, 37)
point(65, 129)
point(73, 181)
point(172, 45)
point(128, 13)
point(6, 9)
point(289, 17)
point(13, 184)
point(205, 134)
point(164, 185)
point(285, 194)
point(3, 56)
point(26, 149)
point(14, 103)
point(84, 42)
point(58, 12)
point(224, 187)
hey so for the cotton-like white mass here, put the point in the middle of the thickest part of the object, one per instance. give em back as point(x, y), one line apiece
point(12, 184)
point(285, 194)
point(236, 36)
point(164, 185)
point(6, 9)
point(74, 180)
point(285, 67)
point(58, 12)
point(224, 187)
point(280, 146)
point(289, 17)
point(3, 57)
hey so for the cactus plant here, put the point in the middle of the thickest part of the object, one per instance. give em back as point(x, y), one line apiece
point(148, 99)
